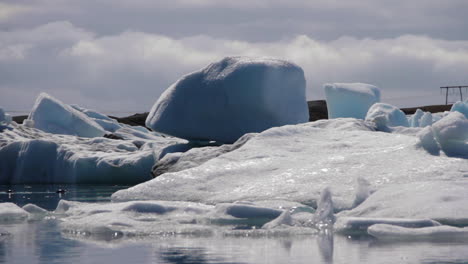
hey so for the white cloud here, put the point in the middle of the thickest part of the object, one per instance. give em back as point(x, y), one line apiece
point(128, 71)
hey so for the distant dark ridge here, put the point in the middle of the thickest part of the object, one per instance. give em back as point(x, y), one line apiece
point(317, 110)
point(427, 108)
point(133, 120)
point(20, 119)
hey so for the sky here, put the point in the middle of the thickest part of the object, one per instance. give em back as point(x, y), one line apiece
point(119, 56)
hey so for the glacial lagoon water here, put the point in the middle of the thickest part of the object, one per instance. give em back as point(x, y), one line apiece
point(43, 242)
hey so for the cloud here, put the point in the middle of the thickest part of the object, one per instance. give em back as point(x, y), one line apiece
point(129, 70)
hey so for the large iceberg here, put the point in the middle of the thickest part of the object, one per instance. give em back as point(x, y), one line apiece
point(350, 99)
point(51, 115)
point(230, 98)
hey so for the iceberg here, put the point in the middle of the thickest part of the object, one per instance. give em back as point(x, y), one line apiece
point(51, 115)
point(386, 115)
point(350, 99)
point(29, 155)
point(230, 98)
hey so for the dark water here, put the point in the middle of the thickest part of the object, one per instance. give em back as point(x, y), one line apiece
point(42, 241)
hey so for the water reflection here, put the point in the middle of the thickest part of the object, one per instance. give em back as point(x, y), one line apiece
point(48, 196)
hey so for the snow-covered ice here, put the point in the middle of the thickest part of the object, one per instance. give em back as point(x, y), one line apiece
point(297, 162)
point(230, 98)
point(51, 115)
point(350, 99)
point(386, 115)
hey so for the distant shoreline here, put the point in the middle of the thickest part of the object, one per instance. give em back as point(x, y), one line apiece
point(317, 111)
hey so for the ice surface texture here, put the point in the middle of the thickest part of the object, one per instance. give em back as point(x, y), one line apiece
point(51, 115)
point(350, 99)
point(230, 98)
point(297, 162)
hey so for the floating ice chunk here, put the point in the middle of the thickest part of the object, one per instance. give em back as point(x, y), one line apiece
point(28, 123)
point(10, 212)
point(426, 120)
point(461, 107)
point(414, 119)
point(230, 98)
point(387, 115)
point(442, 201)
point(435, 233)
point(284, 219)
point(35, 212)
point(324, 216)
point(451, 132)
point(428, 142)
point(5, 119)
point(350, 99)
point(51, 115)
point(359, 225)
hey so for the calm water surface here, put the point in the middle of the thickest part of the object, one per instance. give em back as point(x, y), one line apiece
point(42, 241)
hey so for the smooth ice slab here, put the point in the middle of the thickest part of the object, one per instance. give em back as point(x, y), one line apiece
point(297, 162)
point(443, 201)
point(51, 115)
point(230, 98)
point(360, 225)
point(350, 99)
point(435, 233)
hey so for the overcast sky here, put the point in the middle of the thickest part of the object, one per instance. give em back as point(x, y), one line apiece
point(116, 55)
